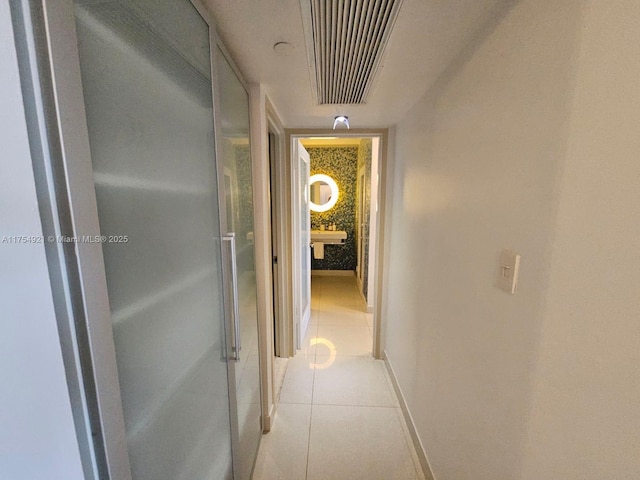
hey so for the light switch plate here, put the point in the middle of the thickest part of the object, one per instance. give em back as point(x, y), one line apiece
point(508, 271)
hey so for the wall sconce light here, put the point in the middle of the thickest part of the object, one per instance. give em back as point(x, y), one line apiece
point(341, 120)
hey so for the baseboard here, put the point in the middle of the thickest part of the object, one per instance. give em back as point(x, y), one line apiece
point(364, 299)
point(280, 370)
point(267, 420)
point(332, 273)
point(417, 443)
point(368, 308)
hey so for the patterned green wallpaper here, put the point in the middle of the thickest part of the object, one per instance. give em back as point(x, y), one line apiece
point(341, 164)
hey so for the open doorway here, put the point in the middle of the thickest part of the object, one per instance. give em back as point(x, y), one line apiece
point(278, 178)
point(343, 235)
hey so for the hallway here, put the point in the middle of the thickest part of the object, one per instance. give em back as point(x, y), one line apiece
point(153, 238)
point(338, 416)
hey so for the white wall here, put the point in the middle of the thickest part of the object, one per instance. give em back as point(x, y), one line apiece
point(37, 435)
point(585, 416)
point(527, 145)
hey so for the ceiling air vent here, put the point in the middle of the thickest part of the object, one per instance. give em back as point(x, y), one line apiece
point(345, 43)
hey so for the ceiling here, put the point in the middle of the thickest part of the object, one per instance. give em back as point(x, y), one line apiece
point(427, 37)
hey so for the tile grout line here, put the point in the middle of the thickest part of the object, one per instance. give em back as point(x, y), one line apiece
point(313, 384)
point(315, 357)
point(354, 405)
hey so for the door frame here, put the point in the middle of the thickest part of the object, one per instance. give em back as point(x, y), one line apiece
point(293, 135)
point(90, 284)
point(62, 87)
point(374, 218)
point(280, 225)
point(45, 131)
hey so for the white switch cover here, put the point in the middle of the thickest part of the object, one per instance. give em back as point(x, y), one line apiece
point(508, 271)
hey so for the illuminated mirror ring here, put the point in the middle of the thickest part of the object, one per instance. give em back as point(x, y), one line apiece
point(320, 177)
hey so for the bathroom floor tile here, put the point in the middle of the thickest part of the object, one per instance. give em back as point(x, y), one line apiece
point(349, 317)
point(340, 295)
point(335, 307)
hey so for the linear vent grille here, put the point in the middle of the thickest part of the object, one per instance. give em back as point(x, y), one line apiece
point(348, 37)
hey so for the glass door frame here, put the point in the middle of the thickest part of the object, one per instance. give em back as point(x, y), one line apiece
point(93, 310)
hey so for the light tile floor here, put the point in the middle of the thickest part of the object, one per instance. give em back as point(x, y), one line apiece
point(338, 416)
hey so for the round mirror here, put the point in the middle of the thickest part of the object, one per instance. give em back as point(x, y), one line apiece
point(323, 192)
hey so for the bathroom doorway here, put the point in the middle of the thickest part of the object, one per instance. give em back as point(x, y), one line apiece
point(343, 236)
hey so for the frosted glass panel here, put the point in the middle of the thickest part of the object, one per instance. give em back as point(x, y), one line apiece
point(146, 78)
point(234, 109)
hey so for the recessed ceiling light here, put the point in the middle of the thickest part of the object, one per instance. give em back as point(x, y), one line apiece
point(283, 48)
point(340, 121)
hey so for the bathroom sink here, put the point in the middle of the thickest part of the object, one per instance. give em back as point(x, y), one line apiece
point(328, 236)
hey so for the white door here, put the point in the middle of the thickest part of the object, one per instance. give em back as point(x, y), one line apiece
point(302, 240)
